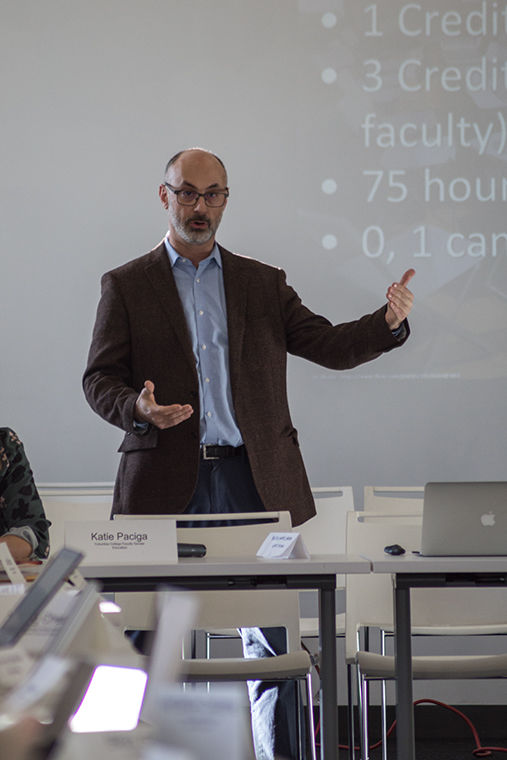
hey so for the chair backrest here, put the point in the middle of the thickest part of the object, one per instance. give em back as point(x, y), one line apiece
point(369, 598)
point(75, 489)
point(60, 508)
point(248, 609)
point(231, 608)
point(325, 532)
point(232, 540)
point(393, 499)
point(225, 541)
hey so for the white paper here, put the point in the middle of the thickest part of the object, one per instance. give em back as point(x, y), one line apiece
point(49, 621)
point(77, 580)
point(176, 616)
point(14, 574)
point(11, 589)
point(15, 665)
point(283, 546)
point(160, 752)
point(44, 677)
point(110, 745)
point(124, 541)
point(211, 725)
point(10, 597)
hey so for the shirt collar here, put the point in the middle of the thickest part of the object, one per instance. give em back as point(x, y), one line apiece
point(174, 255)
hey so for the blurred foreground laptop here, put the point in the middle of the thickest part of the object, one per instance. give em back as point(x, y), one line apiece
point(116, 695)
point(464, 519)
point(38, 595)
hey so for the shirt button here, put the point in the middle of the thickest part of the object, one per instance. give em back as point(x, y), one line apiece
point(206, 379)
point(198, 279)
point(203, 346)
point(209, 414)
point(201, 313)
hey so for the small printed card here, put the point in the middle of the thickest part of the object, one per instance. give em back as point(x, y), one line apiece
point(14, 574)
point(283, 546)
point(206, 724)
point(124, 541)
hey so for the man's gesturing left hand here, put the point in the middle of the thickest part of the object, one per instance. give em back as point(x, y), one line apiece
point(400, 300)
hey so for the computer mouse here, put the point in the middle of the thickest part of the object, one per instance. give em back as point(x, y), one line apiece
point(394, 549)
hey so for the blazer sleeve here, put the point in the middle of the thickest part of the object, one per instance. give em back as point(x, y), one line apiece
point(107, 381)
point(342, 346)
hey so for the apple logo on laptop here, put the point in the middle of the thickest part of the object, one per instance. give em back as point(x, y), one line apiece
point(488, 519)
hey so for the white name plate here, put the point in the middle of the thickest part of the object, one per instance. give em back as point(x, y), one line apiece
point(283, 546)
point(124, 542)
point(14, 574)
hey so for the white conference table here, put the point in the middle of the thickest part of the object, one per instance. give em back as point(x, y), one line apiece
point(318, 573)
point(414, 571)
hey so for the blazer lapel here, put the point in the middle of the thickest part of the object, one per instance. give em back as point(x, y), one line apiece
point(160, 275)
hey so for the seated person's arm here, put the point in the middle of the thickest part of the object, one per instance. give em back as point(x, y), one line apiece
point(20, 549)
point(23, 524)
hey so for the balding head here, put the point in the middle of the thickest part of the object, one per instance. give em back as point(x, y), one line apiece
point(193, 156)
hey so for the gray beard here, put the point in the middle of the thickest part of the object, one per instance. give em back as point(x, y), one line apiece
point(196, 237)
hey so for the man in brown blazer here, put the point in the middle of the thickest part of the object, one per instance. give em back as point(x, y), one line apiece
point(141, 339)
point(189, 357)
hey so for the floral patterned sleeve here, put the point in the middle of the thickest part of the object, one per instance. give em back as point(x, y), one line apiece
point(21, 510)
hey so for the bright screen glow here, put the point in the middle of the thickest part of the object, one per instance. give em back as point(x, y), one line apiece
point(112, 701)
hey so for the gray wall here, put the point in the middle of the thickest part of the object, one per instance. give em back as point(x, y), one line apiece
point(97, 95)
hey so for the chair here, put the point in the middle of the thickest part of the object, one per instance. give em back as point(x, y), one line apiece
point(73, 501)
point(233, 609)
point(139, 608)
point(369, 602)
point(393, 499)
point(79, 489)
point(246, 609)
point(325, 534)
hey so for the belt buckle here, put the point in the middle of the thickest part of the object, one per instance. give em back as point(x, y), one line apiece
point(205, 454)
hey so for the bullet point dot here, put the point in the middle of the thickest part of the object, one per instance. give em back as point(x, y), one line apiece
point(328, 76)
point(328, 20)
point(329, 242)
point(329, 186)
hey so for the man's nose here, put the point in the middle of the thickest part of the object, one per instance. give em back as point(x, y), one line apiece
point(200, 204)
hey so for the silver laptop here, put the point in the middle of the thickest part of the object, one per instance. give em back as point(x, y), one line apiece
point(464, 519)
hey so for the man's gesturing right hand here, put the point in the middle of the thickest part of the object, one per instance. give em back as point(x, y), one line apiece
point(147, 409)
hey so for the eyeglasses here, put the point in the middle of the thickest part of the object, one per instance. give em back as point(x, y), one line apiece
point(212, 198)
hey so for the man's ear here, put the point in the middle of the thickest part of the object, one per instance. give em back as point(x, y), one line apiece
point(162, 194)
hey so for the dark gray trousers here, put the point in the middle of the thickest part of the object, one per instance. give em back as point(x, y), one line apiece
point(226, 485)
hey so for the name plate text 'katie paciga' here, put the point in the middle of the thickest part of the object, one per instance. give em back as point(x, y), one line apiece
point(126, 542)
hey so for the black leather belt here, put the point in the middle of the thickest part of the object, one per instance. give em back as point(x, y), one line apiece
point(220, 452)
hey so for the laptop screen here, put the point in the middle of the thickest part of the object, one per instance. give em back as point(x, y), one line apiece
point(465, 519)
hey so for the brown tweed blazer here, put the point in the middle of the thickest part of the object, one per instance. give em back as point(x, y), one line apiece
point(141, 334)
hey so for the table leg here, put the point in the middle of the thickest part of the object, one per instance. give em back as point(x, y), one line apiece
point(328, 687)
point(405, 743)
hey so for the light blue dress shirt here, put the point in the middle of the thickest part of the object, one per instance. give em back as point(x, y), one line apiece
point(202, 295)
